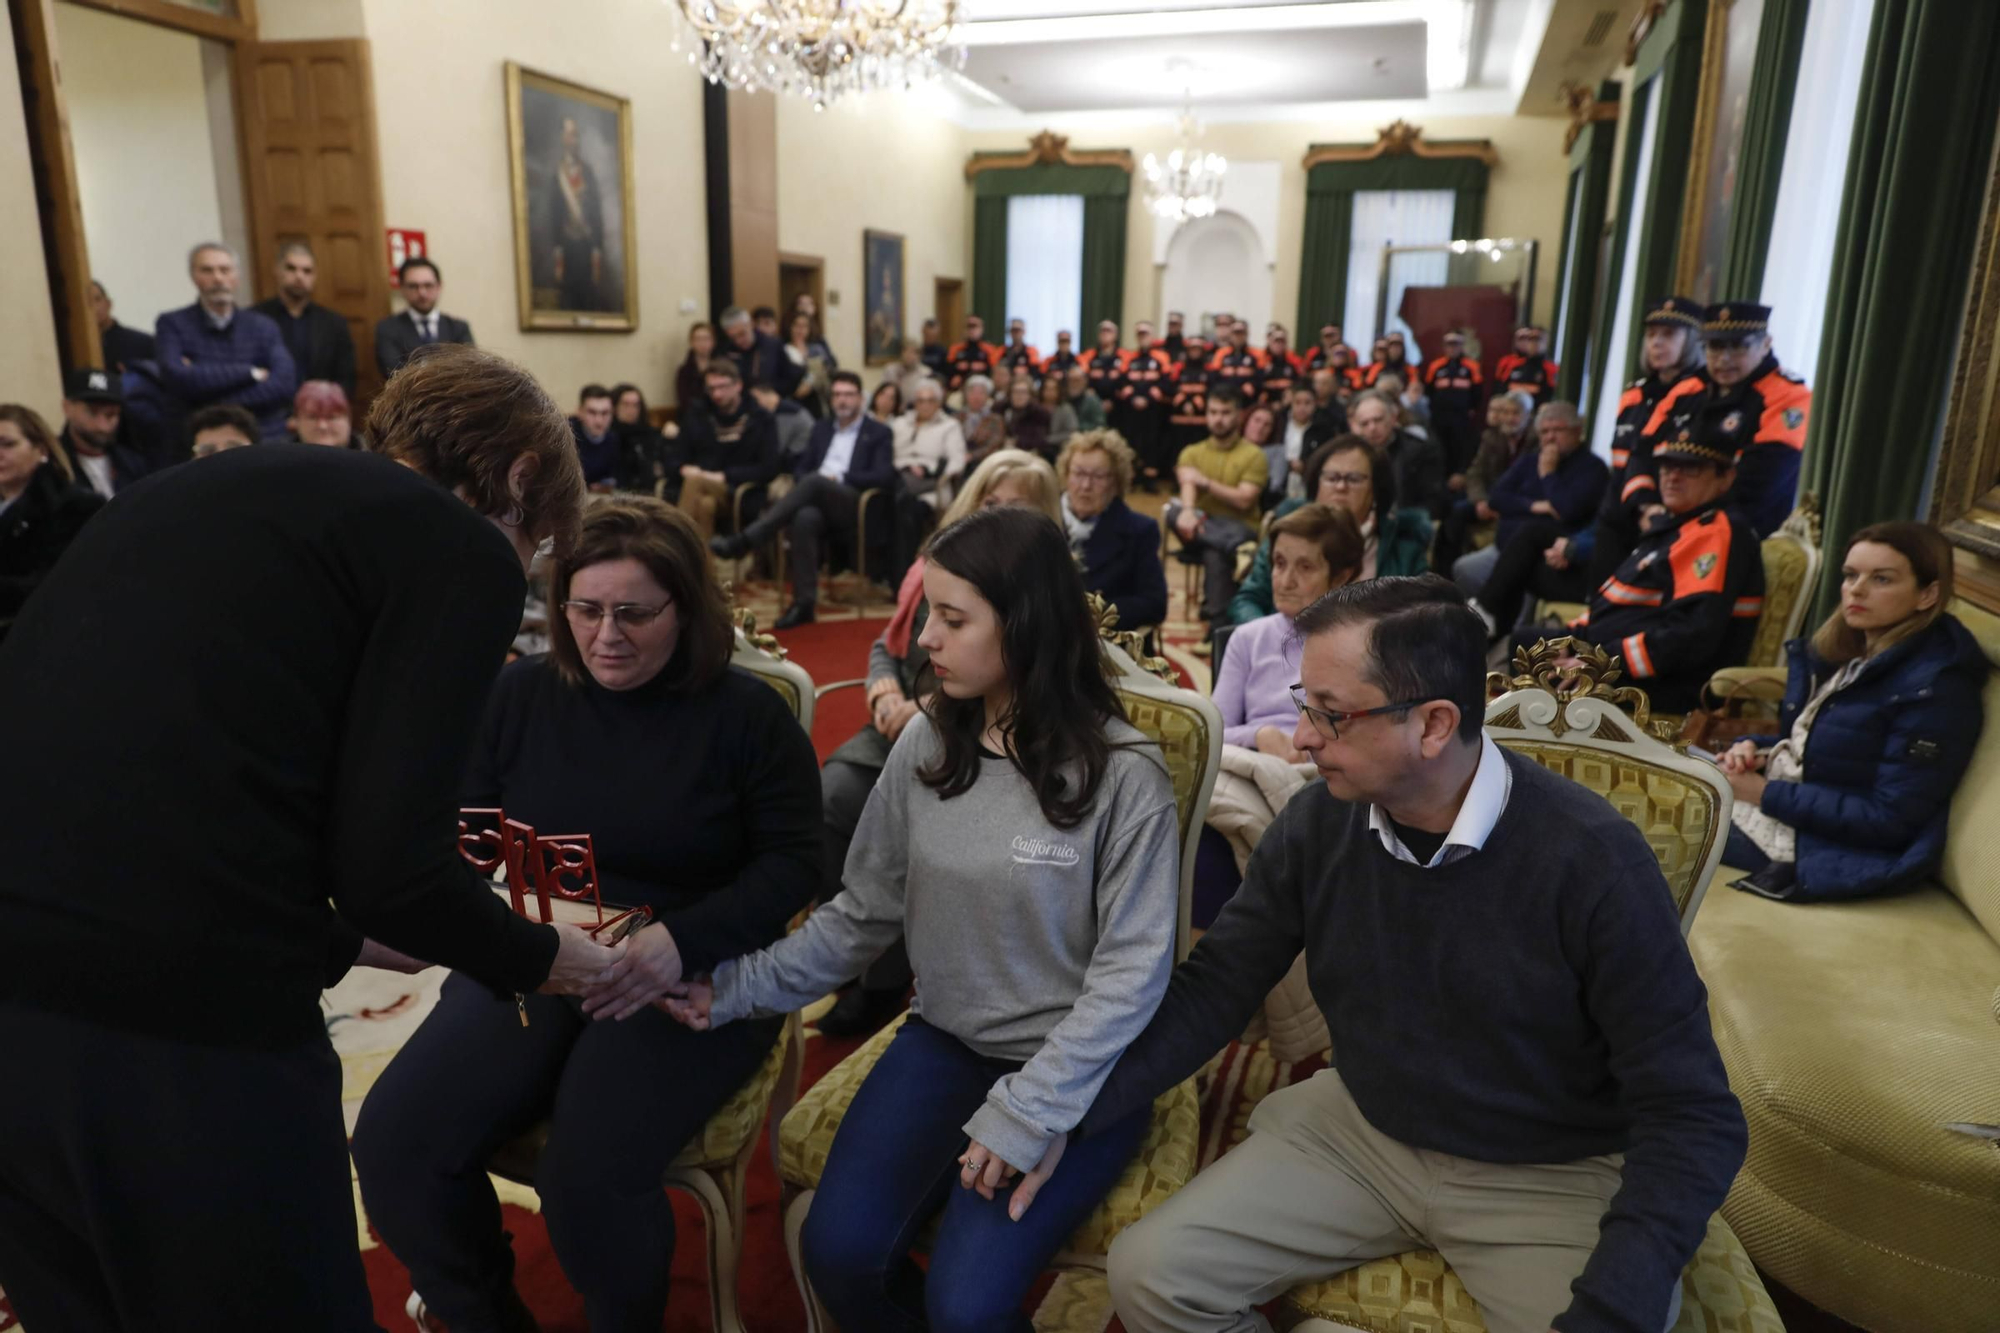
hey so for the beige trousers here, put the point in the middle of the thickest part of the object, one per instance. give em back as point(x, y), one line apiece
point(1316, 1190)
point(700, 499)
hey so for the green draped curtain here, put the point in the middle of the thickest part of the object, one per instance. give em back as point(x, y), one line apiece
point(1760, 163)
point(1668, 68)
point(1909, 221)
point(1329, 225)
point(1583, 223)
point(1106, 195)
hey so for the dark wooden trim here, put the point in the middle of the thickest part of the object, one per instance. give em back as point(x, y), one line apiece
point(240, 29)
point(1398, 138)
point(57, 197)
point(715, 162)
point(1049, 149)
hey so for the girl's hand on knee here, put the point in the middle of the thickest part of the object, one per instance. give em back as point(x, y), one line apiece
point(982, 1169)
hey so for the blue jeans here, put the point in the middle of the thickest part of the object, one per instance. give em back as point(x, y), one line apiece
point(1741, 853)
point(893, 1166)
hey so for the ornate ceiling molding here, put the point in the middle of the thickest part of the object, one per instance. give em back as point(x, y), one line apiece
point(1399, 139)
point(1049, 149)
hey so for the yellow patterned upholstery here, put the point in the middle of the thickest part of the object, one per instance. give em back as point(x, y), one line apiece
point(1852, 1033)
point(730, 1129)
point(1183, 737)
point(1785, 566)
point(1418, 1293)
point(1678, 816)
point(806, 1133)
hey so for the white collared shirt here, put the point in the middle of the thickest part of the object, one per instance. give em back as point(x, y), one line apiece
point(427, 325)
point(1484, 801)
point(96, 469)
point(840, 452)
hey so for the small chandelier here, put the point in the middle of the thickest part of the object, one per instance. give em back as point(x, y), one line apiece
point(1188, 183)
point(820, 49)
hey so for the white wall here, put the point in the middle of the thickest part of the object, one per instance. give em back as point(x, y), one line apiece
point(30, 371)
point(1215, 264)
point(145, 161)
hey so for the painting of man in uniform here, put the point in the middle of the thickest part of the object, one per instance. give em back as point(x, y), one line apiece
point(573, 191)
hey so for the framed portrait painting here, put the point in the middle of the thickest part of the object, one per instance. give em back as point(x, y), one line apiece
point(575, 265)
point(883, 295)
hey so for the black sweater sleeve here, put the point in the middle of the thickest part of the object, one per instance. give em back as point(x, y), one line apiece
point(777, 781)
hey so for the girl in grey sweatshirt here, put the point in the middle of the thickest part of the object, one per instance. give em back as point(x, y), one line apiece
point(1023, 840)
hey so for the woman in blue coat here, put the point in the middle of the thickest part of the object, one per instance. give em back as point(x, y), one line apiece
point(1878, 724)
point(1118, 547)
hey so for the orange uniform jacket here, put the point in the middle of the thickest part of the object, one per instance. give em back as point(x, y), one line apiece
point(968, 359)
point(1763, 419)
point(1107, 372)
point(1025, 355)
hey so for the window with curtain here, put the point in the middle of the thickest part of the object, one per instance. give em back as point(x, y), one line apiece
point(1618, 336)
point(1392, 217)
point(1798, 268)
point(1044, 267)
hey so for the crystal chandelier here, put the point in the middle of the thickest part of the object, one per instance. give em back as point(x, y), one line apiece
point(1189, 182)
point(820, 49)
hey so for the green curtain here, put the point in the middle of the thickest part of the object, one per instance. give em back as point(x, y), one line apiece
point(1909, 222)
point(1767, 119)
point(1106, 193)
point(1590, 184)
point(1329, 222)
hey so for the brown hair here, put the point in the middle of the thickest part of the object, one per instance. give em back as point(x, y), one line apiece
point(664, 540)
point(1930, 559)
point(1334, 531)
point(36, 431)
point(1107, 442)
point(462, 417)
point(1380, 470)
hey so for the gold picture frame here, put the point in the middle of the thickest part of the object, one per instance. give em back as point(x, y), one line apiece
point(1728, 67)
point(1965, 489)
point(575, 263)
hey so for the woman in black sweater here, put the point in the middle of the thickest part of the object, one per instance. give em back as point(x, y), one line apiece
point(41, 506)
point(701, 795)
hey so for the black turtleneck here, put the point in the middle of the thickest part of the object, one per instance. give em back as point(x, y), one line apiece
point(703, 805)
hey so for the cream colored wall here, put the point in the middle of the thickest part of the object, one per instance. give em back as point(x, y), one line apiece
point(440, 108)
point(1524, 196)
point(885, 162)
point(30, 370)
point(145, 161)
point(309, 20)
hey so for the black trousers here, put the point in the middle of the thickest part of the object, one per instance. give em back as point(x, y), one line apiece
point(815, 507)
point(622, 1100)
point(1615, 539)
point(1145, 429)
point(1521, 570)
point(844, 789)
point(1215, 545)
point(157, 1185)
point(1453, 534)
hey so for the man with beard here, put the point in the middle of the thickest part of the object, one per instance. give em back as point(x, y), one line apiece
point(92, 408)
point(318, 339)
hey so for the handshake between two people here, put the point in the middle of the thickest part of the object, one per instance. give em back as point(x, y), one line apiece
point(615, 981)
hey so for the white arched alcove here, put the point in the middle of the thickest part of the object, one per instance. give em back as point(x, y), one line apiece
point(1215, 264)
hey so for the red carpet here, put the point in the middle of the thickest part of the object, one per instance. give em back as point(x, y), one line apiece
point(835, 650)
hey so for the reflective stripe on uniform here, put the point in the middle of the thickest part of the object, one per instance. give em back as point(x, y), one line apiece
point(1615, 590)
point(1749, 608)
point(1636, 658)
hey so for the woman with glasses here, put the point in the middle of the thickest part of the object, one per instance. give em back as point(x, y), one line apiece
point(1348, 473)
point(1118, 548)
point(701, 795)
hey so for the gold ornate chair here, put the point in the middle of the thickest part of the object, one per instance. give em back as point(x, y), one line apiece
point(1188, 729)
point(715, 1166)
point(1578, 726)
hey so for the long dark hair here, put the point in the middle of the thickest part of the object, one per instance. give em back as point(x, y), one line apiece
point(1021, 564)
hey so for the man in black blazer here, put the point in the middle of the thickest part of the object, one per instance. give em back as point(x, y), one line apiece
point(124, 348)
point(849, 453)
point(420, 325)
point(317, 338)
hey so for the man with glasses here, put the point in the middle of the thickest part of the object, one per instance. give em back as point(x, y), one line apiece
point(1526, 1081)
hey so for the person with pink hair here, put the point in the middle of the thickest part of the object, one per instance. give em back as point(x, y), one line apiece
point(321, 415)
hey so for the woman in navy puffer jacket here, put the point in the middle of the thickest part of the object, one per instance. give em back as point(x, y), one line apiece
point(1880, 716)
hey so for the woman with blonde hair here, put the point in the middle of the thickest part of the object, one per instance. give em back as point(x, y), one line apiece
point(896, 681)
point(1877, 727)
point(41, 507)
point(1118, 548)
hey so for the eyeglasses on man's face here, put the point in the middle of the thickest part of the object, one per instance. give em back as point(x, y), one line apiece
point(1341, 481)
point(1328, 722)
point(628, 616)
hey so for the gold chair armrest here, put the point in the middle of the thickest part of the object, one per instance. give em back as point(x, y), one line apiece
point(1764, 684)
point(821, 691)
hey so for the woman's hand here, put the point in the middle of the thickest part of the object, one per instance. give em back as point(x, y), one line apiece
point(582, 964)
point(1742, 757)
point(883, 708)
point(1749, 787)
point(648, 964)
point(1544, 508)
point(982, 1170)
point(689, 1003)
point(1277, 742)
point(900, 719)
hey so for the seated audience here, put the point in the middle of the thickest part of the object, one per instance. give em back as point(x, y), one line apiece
point(764, 319)
point(1878, 725)
point(224, 426)
point(92, 434)
point(1670, 353)
point(813, 359)
point(1304, 431)
point(321, 415)
point(1314, 549)
point(691, 375)
point(758, 355)
point(1040, 915)
point(124, 348)
point(1260, 427)
point(931, 350)
point(1118, 548)
point(1555, 492)
point(322, 348)
point(886, 404)
point(930, 446)
point(42, 506)
point(213, 353)
point(1062, 417)
point(1526, 1081)
point(1083, 399)
point(1376, 417)
point(984, 423)
point(696, 784)
point(974, 356)
point(1003, 384)
point(907, 369)
point(645, 446)
point(850, 453)
point(1347, 473)
point(896, 679)
point(789, 418)
point(421, 324)
point(598, 447)
point(1686, 601)
point(1221, 480)
point(1505, 436)
point(728, 443)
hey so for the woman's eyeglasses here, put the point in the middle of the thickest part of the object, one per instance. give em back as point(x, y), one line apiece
point(628, 616)
point(1327, 723)
point(1344, 480)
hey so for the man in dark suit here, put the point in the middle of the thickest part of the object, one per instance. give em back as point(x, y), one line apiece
point(849, 453)
point(420, 325)
point(211, 353)
point(317, 338)
point(758, 356)
point(123, 348)
point(95, 435)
